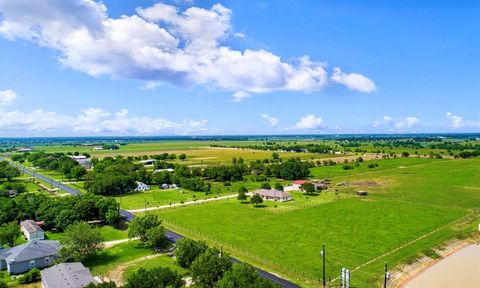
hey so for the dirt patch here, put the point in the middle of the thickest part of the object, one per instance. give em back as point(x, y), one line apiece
point(116, 275)
point(367, 183)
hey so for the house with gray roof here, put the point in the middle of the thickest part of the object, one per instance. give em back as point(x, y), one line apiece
point(32, 230)
point(273, 195)
point(33, 254)
point(67, 275)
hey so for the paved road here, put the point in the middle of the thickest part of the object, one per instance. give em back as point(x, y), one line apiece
point(46, 179)
point(128, 216)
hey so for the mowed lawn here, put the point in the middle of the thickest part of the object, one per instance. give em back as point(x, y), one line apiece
point(158, 197)
point(414, 198)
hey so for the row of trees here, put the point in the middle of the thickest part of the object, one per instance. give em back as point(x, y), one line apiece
point(58, 213)
point(7, 171)
point(272, 146)
point(210, 267)
point(60, 162)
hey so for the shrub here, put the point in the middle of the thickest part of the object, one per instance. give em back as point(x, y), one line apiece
point(30, 277)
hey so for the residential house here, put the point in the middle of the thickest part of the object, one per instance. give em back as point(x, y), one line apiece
point(148, 162)
point(141, 187)
point(83, 161)
point(67, 275)
point(273, 195)
point(32, 230)
point(12, 193)
point(33, 254)
point(24, 150)
point(166, 169)
point(297, 185)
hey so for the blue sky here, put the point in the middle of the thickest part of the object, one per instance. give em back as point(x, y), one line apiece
point(125, 67)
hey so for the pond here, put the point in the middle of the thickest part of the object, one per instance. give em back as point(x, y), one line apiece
point(461, 269)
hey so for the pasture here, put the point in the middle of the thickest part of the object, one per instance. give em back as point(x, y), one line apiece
point(412, 206)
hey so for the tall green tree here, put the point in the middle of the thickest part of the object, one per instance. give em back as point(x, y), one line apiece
point(80, 242)
point(140, 225)
point(209, 267)
point(157, 277)
point(243, 275)
point(9, 233)
point(188, 250)
point(256, 199)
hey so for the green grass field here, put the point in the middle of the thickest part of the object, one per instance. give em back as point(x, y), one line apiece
point(158, 197)
point(408, 198)
point(160, 260)
point(198, 152)
point(108, 233)
point(108, 259)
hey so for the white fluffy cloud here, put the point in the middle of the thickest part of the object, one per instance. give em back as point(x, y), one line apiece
point(353, 81)
point(389, 120)
point(240, 96)
point(162, 43)
point(94, 120)
point(310, 122)
point(457, 122)
point(272, 121)
point(7, 97)
point(408, 122)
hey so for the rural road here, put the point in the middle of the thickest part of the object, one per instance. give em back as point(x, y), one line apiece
point(128, 216)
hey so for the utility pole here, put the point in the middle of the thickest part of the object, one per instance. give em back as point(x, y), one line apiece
point(323, 265)
point(387, 275)
point(345, 283)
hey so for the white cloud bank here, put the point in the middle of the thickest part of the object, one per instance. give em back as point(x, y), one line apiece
point(457, 122)
point(240, 96)
point(402, 124)
point(7, 97)
point(353, 81)
point(164, 44)
point(272, 121)
point(310, 122)
point(92, 120)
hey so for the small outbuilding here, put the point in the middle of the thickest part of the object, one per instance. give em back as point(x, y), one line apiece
point(32, 230)
point(362, 193)
point(273, 195)
point(67, 275)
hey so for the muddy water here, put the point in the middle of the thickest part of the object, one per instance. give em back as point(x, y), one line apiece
point(461, 269)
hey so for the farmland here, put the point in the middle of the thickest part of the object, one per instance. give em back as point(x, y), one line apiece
point(418, 200)
point(411, 198)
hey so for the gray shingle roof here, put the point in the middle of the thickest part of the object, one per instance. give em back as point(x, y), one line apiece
point(31, 250)
point(31, 226)
point(67, 275)
point(271, 193)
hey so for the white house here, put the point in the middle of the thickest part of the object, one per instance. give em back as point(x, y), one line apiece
point(148, 162)
point(31, 230)
point(296, 186)
point(141, 187)
point(162, 170)
point(273, 195)
point(83, 161)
